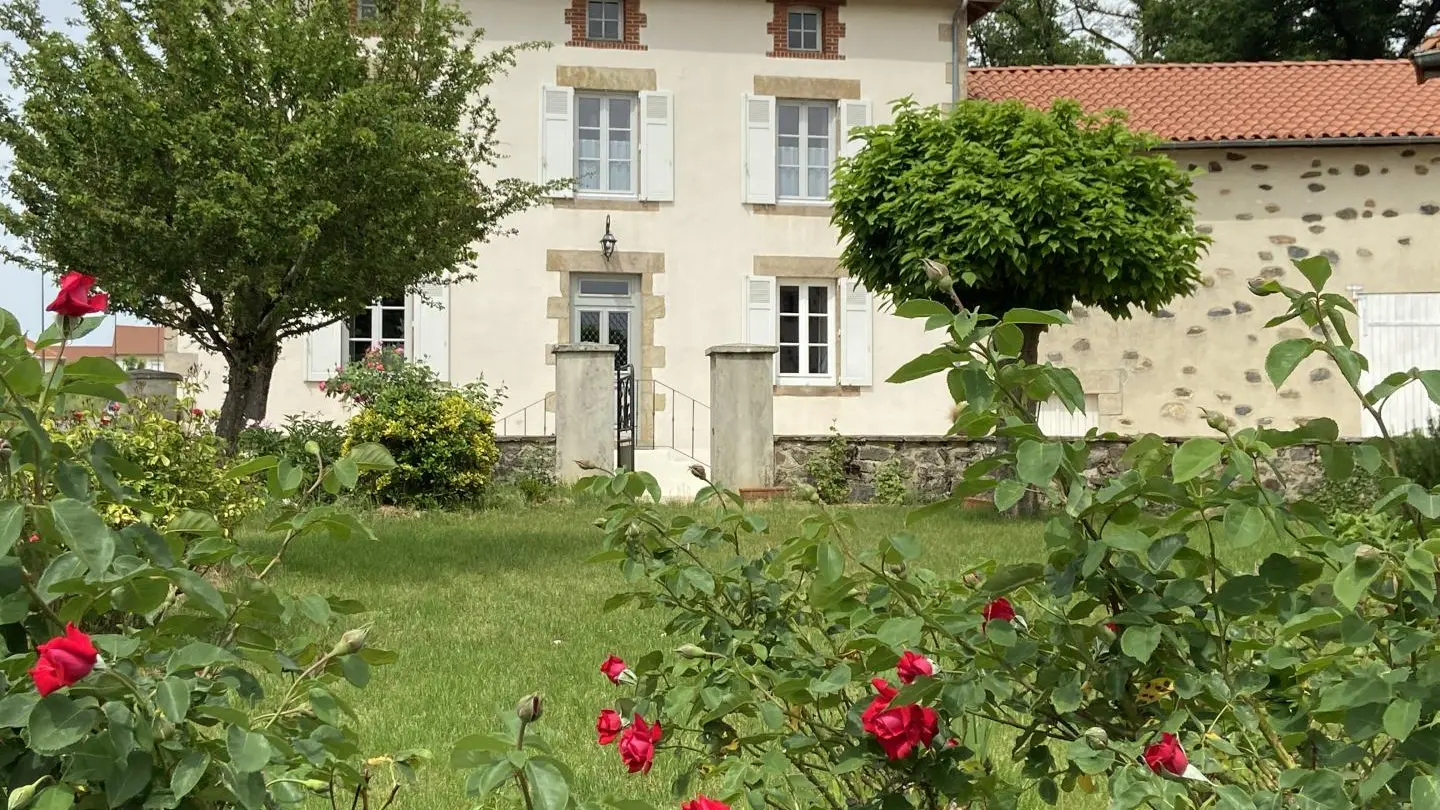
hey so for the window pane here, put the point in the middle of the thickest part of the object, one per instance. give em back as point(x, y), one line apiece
point(620, 175)
point(619, 144)
point(817, 330)
point(619, 336)
point(604, 286)
point(819, 298)
point(358, 348)
point(360, 326)
point(789, 359)
point(789, 298)
point(796, 37)
point(392, 324)
point(789, 115)
point(589, 326)
point(789, 182)
point(587, 111)
point(619, 113)
point(819, 360)
point(789, 329)
point(610, 30)
point(819, 183)
point(818, 119)
point(810, 41)
point(587, 175)
point(787, 151)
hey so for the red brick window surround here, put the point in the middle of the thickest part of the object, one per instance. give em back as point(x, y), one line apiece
point(831, 29)
point(577, 16)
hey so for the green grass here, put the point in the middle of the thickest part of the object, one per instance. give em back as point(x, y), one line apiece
point(486, 608)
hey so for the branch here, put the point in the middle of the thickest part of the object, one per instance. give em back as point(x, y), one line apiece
point(202, 320)
point(306, 327)
point(273, 310)
point(1096, 34)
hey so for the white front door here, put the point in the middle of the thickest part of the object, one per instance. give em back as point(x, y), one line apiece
point(604, 311)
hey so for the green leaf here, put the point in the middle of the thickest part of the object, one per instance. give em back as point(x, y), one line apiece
point(356, 670)
point(484, 782)
point(548, 787)
point(901, 631)
point(931, 362)
point(1425, 793)
point(906, 545)
point(202, 594)
point(58, 723)
point(1024, 315)
point(96, 369)
point(55, 797)
point(1315, 269)
point(1425, 501)
point(12, 521)
point(1008, 493)
point(85, 533)
point(1401, 717)
point(1244, 525)
point(699, 579)
point(249, 788)
point(249, 751)
point(254, 465)
point(1431, 380)
point(1354, 580)
point(196, 655)
point(1126, 538)
point(1007, 579)
point(314, 607)
point(370, 456)
point(1036, 462)
point(1243, 595)
point(1194, 458)
point(127, 780)
point(830, 560)
point(172, 695)
point(1140, 642)
point(1067, 697)
point(15, 709)
point(923, 308)
point(1284, 356)
point(1001, 633)
point(1008, 339)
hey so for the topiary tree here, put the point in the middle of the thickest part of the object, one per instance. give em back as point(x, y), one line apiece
point(1026, 208)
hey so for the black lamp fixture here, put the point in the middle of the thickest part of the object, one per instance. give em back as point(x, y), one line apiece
point(607, 242)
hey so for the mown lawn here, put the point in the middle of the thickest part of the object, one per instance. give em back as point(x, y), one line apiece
point(485, 608)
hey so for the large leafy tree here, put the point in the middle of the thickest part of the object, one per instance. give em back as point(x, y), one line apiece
point(1026, 208)
point(248, 171)
point(1031, 32)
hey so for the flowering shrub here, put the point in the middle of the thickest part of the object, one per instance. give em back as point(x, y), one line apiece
point(1140, 658)
point(442, 438)
point(180, 464)
point(134, 677)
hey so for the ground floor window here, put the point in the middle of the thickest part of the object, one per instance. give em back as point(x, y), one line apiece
point(385, 324)
point(807, 330)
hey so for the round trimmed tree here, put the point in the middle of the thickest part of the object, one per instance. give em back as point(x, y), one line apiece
point(1042, 209)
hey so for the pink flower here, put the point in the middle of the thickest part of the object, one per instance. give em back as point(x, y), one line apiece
point(322, 386)
point(913, 665)
point(114, 407)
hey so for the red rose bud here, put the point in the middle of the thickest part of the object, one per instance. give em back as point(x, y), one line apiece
point(1113, 627)
point(196, 412)
point(703, 802)
point(529, 708)
point(999, 609)
point(912, 666)
point(78, 414)
point(615, 669)
point(637, 745)
point(608, 726)
point(75, 299)
point(64, 660)
point(34, 538)
point(1167, 756)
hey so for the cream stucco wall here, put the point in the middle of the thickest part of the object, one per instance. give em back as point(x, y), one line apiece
point(1375, 211)
point(708, 54)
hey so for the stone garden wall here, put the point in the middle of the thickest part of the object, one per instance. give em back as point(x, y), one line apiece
point(931, 465)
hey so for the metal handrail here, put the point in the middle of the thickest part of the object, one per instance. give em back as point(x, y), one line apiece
point(676, 405)
point(547, 425)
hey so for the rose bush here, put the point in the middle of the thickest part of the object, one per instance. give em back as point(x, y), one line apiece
point(1197, 633)
point(153, 665)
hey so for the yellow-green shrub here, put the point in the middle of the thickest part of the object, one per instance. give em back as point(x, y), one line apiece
point(183, 462)
point(443, 444)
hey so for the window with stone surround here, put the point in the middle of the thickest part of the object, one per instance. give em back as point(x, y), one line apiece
point(806, 30)
point(605, 24)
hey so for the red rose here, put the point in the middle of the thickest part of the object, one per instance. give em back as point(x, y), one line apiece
point(912, 666)
point(75, 299)
point(901, 729)
point(998, 609)
point(1112, 627)
point(879, 704)
point(608, 726)
point(1167, 755)
point(703, 802)
point(637, 745)
point(63, 660)
point(196, 412)
point(34, 538)
point(78, 414)
point(613, 668)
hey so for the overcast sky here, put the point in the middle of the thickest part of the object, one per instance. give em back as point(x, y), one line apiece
point(23, 292)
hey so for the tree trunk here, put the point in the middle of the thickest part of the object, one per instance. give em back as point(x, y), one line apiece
point(247, 391)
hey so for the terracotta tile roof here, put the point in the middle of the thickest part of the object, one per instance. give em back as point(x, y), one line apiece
point(129, 341)
point(1430, 43)
point(1237, 101)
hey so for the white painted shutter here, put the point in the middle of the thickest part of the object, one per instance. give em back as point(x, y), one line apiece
point(857, 330)
point(852, 114)
point(758, 117)
point(761, 318)
point(1398, 332)
point(1054, 420)
point(324, 350)
point(657, 146)
point(430, 324)
point(557, 136)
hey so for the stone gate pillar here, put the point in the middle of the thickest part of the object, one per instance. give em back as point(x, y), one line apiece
point(584, 408)
point(742, 416)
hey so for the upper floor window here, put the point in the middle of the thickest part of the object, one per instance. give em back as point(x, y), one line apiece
point(604, 20)
point(384, 325)
point(605, 143)
point(804, 149)
point(803, 31)
point(367, 9)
